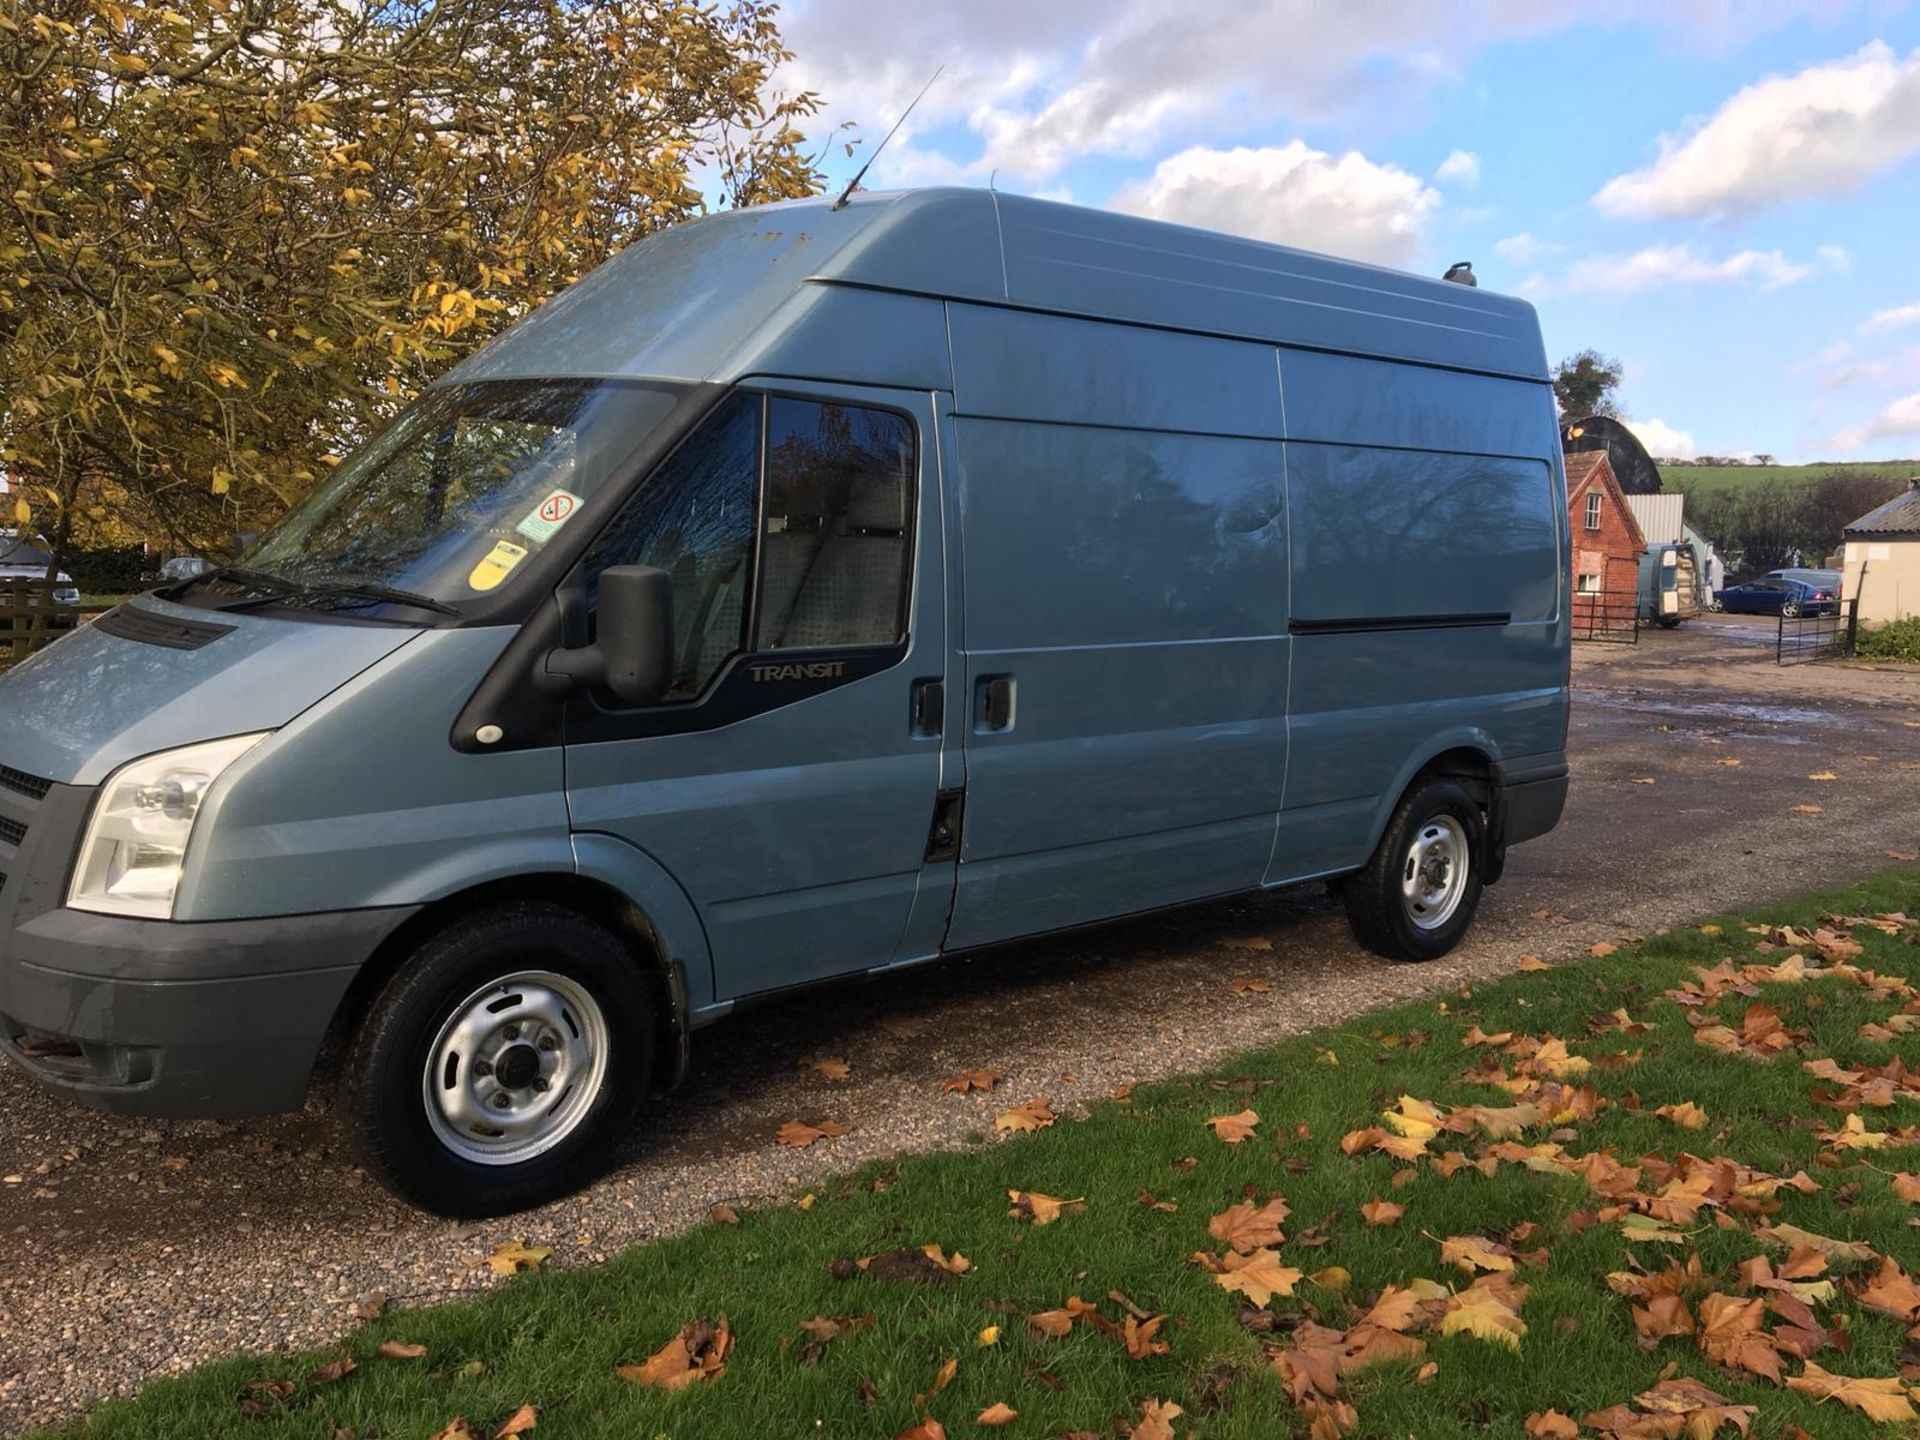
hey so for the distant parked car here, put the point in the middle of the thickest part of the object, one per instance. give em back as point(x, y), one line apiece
point(21, 561)
point(1771, 596)
point(1829, 579)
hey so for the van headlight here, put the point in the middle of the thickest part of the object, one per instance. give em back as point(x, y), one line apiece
point(136, 842)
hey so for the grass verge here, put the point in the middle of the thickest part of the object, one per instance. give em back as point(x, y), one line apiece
point(1540, 1132)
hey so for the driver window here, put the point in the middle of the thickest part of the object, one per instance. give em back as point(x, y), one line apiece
point(695, 518)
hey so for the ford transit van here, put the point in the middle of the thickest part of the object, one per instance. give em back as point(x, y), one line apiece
point(809, 591)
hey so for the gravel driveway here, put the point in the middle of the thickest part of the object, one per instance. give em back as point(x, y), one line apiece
point(137, 1248)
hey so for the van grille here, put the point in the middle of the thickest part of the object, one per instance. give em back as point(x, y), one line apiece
point(21, 783)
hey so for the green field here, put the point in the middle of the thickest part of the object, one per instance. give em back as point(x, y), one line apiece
point(1700, 478)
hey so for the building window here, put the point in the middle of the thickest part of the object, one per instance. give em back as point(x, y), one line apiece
point(1589, 584)
point(1593, 510)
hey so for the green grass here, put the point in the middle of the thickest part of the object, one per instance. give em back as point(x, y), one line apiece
point(1699, 479)
point(553, 1339)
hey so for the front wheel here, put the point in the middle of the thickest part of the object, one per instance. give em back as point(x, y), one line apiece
point(498, 1068)
point(1417, 895)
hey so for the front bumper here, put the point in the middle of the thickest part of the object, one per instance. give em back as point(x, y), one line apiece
point(191, 1021)
point(152, 1017)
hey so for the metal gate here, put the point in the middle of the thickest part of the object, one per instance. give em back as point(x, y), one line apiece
point(1827, 636)
point(1610, 617)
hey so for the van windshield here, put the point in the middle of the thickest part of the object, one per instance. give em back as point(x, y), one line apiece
point(470, 481)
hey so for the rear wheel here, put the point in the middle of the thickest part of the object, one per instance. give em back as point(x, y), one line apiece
point(1417, 895)
point(1791, 609)
point(499, 1066)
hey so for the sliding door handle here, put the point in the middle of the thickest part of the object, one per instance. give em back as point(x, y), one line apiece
point(928, 716)
point(993, 704)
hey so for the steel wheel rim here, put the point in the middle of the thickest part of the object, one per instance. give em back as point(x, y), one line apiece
point(515, 1067)
point(1433, 872)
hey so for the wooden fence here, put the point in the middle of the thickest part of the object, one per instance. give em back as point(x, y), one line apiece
point(30, 620)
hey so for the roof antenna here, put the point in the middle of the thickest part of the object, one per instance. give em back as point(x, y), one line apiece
point(854, 184)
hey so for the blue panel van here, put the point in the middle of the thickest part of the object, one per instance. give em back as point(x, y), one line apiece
point(811, 590)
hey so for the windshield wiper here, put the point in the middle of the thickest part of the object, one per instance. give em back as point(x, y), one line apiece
point(261, 581)
point(367, 592)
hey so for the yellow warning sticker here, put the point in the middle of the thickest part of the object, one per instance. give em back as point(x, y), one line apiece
point(497, 565)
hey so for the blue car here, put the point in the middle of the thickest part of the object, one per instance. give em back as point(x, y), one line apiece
point(1772, 595)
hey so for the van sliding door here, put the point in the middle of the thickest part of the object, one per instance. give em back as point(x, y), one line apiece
point(1121, 505)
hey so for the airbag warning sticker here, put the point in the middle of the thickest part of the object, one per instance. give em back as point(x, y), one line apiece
point(549, 515)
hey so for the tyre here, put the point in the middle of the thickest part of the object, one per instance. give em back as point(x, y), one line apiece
point(1716, 606)
point(1790, 609)
point(1670, 622)
point(1417, 895)
point(499, 1066)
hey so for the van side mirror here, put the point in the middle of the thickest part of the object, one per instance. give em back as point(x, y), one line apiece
point(632, 652)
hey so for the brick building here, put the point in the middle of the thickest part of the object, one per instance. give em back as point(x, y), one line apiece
point(1607, 543)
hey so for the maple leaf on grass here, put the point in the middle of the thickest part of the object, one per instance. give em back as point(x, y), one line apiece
point(1907, 1187)
point(401, 1350)
point(1488, 1309)
point(1138, 1335)
point(1881, 1398)
point(1247, 1227)
point(1234, 1128)
point(518, 1423)
point(1034, 1115)
point(942, 1378)
point(1382, 1212)
point(1685, 1114)
point(510, 1257)
point(1040, 1209)
point(998, 1413)
point(1472, 1252)
point(798, 1134)
point(1731, 1334)
point(1259, 1275)
point(697, 1354)
point(1551, 1425)
point(1156, 1420)
point(1892, 1292)
point(928, 1429)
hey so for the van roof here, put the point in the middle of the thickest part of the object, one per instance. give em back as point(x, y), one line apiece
point(689, 302)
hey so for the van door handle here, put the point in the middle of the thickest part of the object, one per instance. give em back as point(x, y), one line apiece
point(993, 703)
point(928, 711)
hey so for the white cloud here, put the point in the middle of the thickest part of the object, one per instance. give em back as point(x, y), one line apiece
point(1825, 131)
point(1525, 249)
point(1461, 167)
point(1031, 87)
point(1663, 440)
point(1292, 194)
point(1902, 417)
point(1664, 265)
point(1897, 318)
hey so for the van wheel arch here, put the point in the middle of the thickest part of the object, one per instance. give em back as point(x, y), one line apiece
point(590, 899)
point(1474, 770)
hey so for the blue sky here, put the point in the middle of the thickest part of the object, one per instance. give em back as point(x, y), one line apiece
point(1723, 193)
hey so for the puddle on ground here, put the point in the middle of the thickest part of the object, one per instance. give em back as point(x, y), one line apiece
point(1718, 715)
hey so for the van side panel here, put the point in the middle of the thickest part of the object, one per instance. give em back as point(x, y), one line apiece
point(1129, 584)
point(1427, 576)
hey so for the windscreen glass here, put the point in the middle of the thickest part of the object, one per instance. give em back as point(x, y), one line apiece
point(465, 487)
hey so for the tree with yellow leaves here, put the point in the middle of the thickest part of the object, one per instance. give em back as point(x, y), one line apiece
point(238, 233)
